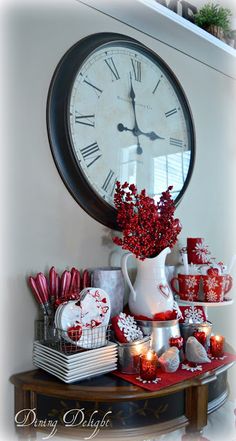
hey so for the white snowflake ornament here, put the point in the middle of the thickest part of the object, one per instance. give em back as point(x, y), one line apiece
point(125, 328)
point(157, 380)
point(218, 358)
point(193, 315)
point(187, 367)
point(201, 251)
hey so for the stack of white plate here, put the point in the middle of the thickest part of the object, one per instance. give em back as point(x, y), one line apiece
point(75, 367)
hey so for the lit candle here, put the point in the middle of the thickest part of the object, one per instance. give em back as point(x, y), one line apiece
point(217, 345)
point(148, 366)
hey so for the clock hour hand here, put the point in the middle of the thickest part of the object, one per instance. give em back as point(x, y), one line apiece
point(152, 136)
point(137, 132)
point(122, 128)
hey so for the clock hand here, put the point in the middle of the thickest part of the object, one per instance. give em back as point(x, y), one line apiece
point(122, 128)
point(152, 136)
point(139, 150)
point(136, 132)
point(136, 128)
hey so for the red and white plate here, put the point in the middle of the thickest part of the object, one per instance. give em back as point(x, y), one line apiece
point(92, 313)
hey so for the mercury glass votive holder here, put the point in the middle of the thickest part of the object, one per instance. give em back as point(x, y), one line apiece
point(217, 345)
point(148, 365)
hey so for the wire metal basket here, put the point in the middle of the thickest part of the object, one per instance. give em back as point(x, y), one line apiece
point(72, 340)
point(44, 329)
point(90, 338)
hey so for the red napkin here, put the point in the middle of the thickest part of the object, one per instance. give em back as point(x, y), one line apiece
point(168, 379)
point(160, 316)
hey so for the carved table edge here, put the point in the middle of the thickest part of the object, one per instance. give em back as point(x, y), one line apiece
point(25, 382)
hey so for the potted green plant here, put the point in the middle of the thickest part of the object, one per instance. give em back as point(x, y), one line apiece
point(214, 18)
point(230, 38)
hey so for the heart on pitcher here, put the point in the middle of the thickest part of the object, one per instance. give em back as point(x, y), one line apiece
point(165, 290)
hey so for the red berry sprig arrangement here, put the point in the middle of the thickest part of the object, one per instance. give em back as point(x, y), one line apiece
point(147, 227)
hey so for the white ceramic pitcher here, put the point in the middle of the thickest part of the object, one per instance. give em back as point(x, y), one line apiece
point(150, 293)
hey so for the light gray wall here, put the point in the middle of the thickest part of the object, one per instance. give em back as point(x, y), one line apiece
point(43, 225)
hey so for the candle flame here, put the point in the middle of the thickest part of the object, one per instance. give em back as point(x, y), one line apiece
point(149, 355)
point(218, 337)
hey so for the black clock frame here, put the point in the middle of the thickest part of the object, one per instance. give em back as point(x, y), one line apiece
point(58, 123)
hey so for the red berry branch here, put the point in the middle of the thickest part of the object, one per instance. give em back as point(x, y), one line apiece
point(147, 227)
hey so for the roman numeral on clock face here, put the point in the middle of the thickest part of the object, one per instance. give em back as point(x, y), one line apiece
point(110, 63)
point(170, 112)
point(136, 69)
point(96, 89)
point(156, 86)
point(109, 183)
point(89, 153)
point(176, 142)
point(86, 120)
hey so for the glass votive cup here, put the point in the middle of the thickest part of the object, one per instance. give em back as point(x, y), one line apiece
point(148, 365)
point(217, 345)
point(207, 328)
point(201, 337)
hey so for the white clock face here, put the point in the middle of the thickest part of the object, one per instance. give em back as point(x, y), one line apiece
point(128, 122)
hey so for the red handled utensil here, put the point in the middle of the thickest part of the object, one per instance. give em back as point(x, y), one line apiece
point(52, 285)
point(37, 294)
point(75, 282)
point(65, 283)
point(57, 287)
point(86, 279)
point(42, 286)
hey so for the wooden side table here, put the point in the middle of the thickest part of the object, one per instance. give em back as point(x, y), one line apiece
point(130, 408)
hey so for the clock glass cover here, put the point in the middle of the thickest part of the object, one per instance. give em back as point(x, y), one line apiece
point(117, 112)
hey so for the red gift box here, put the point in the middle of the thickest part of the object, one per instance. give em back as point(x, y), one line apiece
point(197, 250)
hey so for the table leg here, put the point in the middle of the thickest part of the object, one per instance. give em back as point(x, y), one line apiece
point(25, 400)
point(196, 404)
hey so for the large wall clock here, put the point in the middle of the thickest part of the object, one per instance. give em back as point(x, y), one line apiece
point(117, 112)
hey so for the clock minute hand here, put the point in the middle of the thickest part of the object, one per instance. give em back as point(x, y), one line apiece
point(136, 131)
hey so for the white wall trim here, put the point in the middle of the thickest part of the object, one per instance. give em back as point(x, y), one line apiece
point(166, 26)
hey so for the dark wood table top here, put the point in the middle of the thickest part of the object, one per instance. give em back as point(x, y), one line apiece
point(102, 388)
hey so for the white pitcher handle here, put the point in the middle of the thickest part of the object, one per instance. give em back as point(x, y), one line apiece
point(125, 273)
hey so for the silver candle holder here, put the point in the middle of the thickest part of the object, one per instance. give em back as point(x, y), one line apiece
point(129, 355)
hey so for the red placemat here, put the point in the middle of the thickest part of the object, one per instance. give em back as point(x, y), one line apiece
point(168, 379)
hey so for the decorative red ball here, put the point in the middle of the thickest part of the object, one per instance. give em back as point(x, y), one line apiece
point(75, 332)
point(213, 272)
